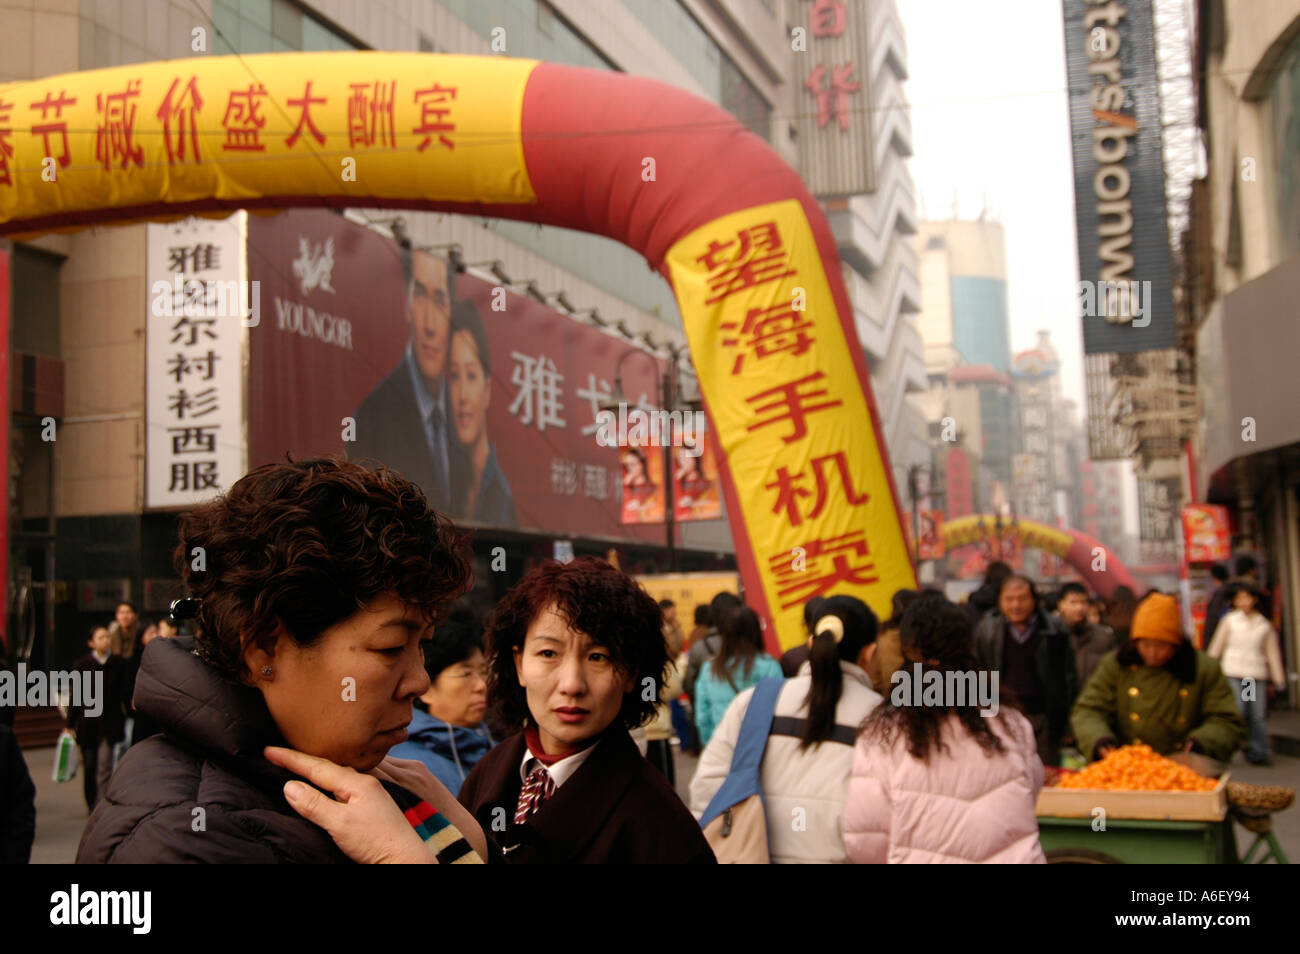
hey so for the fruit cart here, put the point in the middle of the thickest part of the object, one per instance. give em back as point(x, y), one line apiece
point(1080, 826)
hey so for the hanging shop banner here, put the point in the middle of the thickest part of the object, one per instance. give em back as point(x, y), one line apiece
point(1119, 177)
point(1205, 533)
point(199, 310)
point(817, 503)
point(643, 483)
point(930, 546)
point(696, 495)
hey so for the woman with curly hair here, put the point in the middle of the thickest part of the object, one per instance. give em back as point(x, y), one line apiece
point(316, 583)
point(577, 658)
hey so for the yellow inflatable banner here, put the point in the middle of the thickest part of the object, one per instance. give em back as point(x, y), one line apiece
point(773, 360)
point(156, 134)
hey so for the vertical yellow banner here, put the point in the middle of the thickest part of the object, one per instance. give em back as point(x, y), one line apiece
point(775, 367)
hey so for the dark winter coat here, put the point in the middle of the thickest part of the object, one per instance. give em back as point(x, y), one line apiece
point(1054, 661)
point(390, 430)
point(1127, 702)
point(1091, 642)
point(110, 725)
point(17, 802)
point(616, 809)
point(201, 791)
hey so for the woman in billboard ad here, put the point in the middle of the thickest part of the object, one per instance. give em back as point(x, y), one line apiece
point(487, 497)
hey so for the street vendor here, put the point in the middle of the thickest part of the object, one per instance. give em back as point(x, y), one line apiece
point(1160, 690)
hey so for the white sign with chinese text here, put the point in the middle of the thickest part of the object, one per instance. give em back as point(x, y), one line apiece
point(198, 306)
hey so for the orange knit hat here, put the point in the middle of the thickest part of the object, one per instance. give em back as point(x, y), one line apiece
point(1157, 618)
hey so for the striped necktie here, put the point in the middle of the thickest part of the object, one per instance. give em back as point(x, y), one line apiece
point(538, 787)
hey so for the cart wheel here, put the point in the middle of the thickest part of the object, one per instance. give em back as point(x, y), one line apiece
point(1080, 856)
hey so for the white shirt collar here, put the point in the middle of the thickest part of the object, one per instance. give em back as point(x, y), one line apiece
point(561, 770)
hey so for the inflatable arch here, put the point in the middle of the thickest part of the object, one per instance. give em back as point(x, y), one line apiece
point(1101, 570)
point(713, 208)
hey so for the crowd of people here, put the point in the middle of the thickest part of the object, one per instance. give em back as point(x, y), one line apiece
point(340, 701)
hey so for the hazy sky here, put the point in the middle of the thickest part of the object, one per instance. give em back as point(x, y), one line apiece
point(990, 122)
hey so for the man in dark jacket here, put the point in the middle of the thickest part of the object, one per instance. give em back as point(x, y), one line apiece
point(405, 422)
point(103, 725)
point(1033, 655)
point(17, 802)
point(1090, 641)
point(985, 599)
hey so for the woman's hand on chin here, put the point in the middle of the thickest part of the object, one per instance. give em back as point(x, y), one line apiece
point(362, 819)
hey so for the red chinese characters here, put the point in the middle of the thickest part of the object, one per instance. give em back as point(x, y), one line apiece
point(820, 565)
point(303, 103)
point(46, 129)
point(768, 331)
point(370, 114)
point(828, 18)
point(759, 257)
point(6, 150)
point(179, 116)
point(789, 492)
point(790, 403)
point(435, 107)
point(832, 97)
point(116, 128)
point(242, 121)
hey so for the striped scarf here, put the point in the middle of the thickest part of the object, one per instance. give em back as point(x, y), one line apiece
point(446, 842)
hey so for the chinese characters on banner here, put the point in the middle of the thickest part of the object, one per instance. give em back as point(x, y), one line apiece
point(834, 124)
point(165, 133)
point(1158, 508)
point(197, 309)
point(815, 500)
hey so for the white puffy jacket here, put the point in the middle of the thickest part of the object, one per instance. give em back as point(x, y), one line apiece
point(803, 791)
point(960, 806)
point(1248, 647)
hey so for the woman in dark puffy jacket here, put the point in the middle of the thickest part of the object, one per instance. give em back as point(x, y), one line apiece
point(315, 583)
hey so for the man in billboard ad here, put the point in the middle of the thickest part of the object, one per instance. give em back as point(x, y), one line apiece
point(438, 363)
point(413, 400)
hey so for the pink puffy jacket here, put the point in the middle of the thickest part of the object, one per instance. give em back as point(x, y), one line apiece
point(963, 806)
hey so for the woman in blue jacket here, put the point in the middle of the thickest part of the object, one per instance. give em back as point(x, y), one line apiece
point(739, 664)
point(447, 732)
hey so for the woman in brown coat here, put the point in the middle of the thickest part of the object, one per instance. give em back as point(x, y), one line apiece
point(577, 659)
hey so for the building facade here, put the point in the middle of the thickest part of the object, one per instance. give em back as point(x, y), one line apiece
point(1242, 266)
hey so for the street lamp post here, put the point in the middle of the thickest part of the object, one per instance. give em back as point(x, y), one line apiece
point(668, 388)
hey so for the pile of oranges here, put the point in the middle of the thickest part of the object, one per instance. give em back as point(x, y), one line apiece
point(1137, 768)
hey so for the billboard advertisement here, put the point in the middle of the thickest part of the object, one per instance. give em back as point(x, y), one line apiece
point(506, 436)
point(1119, 177)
